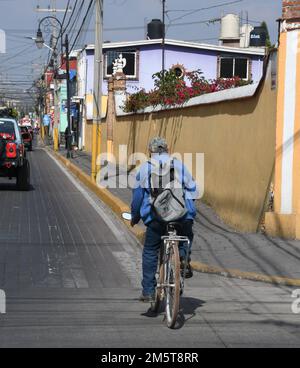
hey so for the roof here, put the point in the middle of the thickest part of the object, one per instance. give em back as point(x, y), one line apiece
point(193, 45)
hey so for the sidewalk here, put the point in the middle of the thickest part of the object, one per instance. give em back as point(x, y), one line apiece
point(219, 249)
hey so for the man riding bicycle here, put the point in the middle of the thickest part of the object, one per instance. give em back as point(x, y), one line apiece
point(142, 208)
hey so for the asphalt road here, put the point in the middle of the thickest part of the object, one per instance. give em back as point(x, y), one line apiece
point(71, 274)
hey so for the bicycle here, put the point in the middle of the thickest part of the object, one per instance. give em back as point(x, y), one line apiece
point(170, 278)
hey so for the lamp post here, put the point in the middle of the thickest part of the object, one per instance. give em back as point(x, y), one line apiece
point(40, 43)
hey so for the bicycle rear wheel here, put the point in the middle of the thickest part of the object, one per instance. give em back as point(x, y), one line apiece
point(173, 285)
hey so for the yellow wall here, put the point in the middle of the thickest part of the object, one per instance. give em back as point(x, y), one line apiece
point(88, 135)
point(238, 139)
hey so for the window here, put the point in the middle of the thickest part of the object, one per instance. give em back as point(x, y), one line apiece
point(234, 67)
point(130, 69)
point(7, 128)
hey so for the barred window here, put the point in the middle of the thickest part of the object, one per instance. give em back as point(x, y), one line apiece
point(234, 67)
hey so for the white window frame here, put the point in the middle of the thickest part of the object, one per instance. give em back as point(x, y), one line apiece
point(135, 64)
point(233, 70)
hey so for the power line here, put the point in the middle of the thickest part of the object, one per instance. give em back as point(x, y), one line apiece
point(66, 12)
point(193, 11)
point(86, 23)
point(19, 53)
point(82, 24)
point(73, 11)
point(71, 30)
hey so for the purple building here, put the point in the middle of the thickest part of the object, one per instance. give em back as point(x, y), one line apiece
point(144, 58)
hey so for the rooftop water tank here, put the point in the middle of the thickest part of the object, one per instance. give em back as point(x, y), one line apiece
point(258, 37)
point(246, 29)
point(230, 27)
point(155, 29)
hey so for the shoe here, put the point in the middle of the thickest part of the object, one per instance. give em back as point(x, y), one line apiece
point(188, 269)
point(147, 298)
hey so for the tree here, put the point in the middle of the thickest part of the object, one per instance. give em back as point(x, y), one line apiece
point(8, 112)
point(268, 42)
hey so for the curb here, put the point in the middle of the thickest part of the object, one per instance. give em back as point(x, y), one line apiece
point(118, 207)
point(242, 275)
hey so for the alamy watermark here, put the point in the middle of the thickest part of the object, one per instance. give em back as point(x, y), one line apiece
point(132, 171)
point(296, 302)
point(2, 42)
point(2, 302)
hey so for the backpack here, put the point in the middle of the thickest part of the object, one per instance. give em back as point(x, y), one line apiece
point(167, 194)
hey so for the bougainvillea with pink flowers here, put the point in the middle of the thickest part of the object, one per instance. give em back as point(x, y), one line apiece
point(171, 90)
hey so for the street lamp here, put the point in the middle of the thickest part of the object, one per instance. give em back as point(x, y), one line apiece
point(39, 40)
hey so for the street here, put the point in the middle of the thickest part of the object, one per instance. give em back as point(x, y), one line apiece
point(71, 273)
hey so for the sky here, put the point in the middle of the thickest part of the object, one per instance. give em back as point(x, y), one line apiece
point(23, 62)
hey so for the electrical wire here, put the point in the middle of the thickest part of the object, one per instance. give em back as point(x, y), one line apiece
point(18, 54)
point(70, 18)
point(85, 25)
point(82, 24)
point(72, 30)
point(193, 11)
point(66, 12)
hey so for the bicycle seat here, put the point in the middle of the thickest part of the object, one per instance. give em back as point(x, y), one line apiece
point(174, 225)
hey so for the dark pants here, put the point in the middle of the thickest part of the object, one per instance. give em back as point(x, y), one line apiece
point(155, 231)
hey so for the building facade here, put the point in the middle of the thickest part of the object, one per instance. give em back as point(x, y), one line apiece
point(144, 58)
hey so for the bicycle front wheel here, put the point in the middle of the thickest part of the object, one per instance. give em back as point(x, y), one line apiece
point(173, 285)
point(159, 293)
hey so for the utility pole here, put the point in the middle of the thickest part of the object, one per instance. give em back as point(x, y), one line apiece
point(97, 90)
point(56, 101)
point(69, 136)
point(164, 41)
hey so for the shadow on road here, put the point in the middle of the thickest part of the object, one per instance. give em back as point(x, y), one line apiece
point(12, 187)
point(188, 310)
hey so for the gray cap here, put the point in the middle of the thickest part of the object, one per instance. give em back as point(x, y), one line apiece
point(158, 145)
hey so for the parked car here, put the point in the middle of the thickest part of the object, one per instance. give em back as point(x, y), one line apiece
point(13, 161)
point(26, 136)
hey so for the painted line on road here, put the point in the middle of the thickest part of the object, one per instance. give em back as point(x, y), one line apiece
point(117, 231)
point(118, 206)
point(115, 204)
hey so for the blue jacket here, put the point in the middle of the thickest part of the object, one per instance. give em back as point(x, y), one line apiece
point(141, 206)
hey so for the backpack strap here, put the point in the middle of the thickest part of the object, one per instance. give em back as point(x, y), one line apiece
point(149, 177)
